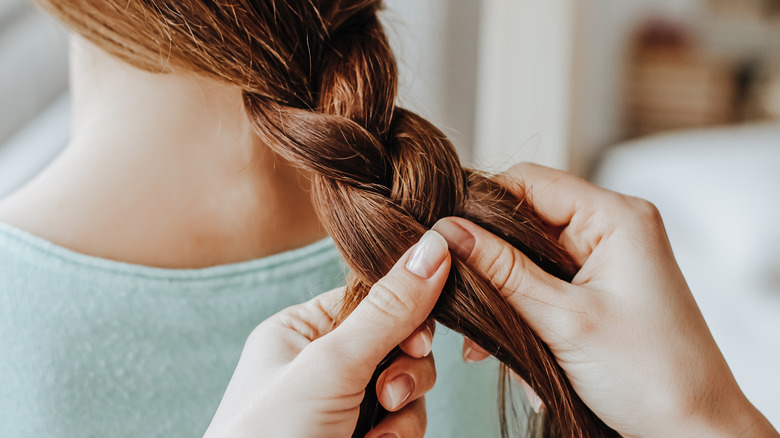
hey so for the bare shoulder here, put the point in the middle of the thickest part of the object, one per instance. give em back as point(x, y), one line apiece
point(81, 218)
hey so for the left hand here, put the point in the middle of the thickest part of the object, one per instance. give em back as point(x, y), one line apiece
point(298, 376)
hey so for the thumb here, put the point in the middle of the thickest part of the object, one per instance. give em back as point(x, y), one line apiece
point(541, 299)
point(395, 306)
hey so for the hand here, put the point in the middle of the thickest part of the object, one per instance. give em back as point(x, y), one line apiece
point(627, 330)
point(300, 377)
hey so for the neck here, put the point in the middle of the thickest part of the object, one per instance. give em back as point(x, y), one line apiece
point(169, 167)
point(179, 114)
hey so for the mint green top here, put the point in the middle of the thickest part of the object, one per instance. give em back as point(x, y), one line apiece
point(91, 347)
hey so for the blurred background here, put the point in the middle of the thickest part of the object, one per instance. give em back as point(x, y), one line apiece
point(676, 101)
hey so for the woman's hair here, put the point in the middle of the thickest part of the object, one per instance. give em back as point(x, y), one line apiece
point(319, 83)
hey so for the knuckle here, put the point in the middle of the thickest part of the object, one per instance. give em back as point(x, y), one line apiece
point(518, 272)
point(645, 218)
point(255, 337)
point(385, 297)
point(505, 269)
point(521, 167)
point(518, 169)
point(516, 173)
point(645, 210)
point(272, 326)
point(261, 336)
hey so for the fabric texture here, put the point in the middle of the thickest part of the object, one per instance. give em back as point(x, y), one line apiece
point(97, 348)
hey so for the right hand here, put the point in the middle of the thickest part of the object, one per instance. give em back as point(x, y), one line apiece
point(626, 331)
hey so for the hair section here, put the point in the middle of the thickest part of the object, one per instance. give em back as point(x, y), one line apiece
point(320, 85)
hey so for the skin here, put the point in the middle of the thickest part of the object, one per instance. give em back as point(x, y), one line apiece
point(164, 170)
point(626, 331)
point(300, 377)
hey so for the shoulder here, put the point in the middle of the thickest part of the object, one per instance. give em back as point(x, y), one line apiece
point(155, 224)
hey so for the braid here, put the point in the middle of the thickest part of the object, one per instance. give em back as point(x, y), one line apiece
point(383, 176)
point(320, 85)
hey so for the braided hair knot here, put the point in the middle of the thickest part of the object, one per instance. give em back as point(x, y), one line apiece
point(383, 175)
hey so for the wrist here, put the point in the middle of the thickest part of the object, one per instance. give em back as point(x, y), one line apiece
point(737, 419)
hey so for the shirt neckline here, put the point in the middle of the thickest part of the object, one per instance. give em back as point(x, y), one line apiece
point(308, 255)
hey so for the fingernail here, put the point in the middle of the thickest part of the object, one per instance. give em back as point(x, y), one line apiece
point(466, 352)
point(397, 391)
point(533, 397)
point(459, 240)
point(427, 337)
point(428, 254)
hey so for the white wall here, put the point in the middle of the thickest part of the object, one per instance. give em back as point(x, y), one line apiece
point(493, 74)
point(606, 27)
point(436, 45)
point(497, 75)
point(524, 92)
point(506, 80)
point(512, 80)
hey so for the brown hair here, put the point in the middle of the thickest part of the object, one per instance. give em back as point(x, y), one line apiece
point(319, 84)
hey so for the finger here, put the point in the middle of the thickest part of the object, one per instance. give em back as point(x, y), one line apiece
point(313, 319)
point(394, 307)
point(329, 302)
point(405, 380)
point(420, 342)
point(568, 202)
point(409, 422)
point(539, 297)
point(556, 195)
point(473, 352)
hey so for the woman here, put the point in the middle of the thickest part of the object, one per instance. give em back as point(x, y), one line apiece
point(135, 266)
